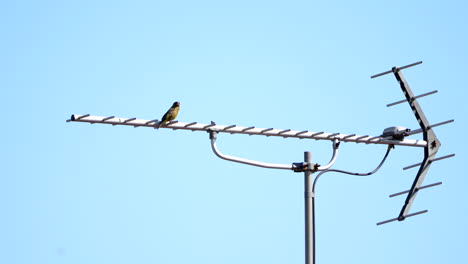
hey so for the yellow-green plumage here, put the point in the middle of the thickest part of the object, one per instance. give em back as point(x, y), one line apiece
point(171, 114)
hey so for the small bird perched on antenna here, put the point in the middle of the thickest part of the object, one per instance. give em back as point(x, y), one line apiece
point(171, 114)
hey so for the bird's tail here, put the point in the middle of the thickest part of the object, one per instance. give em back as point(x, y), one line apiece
point(158, 125)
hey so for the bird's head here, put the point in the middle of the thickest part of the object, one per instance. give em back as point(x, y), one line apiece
point(176, 104)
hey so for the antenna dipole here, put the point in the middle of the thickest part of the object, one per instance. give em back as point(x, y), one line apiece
point(431, 148)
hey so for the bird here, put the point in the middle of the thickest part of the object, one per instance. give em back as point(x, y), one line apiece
point(171, 114)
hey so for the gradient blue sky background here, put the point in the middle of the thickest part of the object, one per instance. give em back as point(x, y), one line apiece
point(80, 193)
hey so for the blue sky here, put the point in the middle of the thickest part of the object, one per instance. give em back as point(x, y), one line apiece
point(80, 193)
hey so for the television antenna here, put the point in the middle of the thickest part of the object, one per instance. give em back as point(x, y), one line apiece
point(392, 136)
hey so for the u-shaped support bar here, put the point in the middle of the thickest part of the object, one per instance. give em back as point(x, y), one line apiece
point(336, 144)
point(213, 135)
point(294, 166)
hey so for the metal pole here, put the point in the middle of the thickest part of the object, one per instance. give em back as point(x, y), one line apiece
point(309, 211)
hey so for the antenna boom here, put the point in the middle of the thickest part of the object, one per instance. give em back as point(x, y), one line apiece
point(233, 129)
